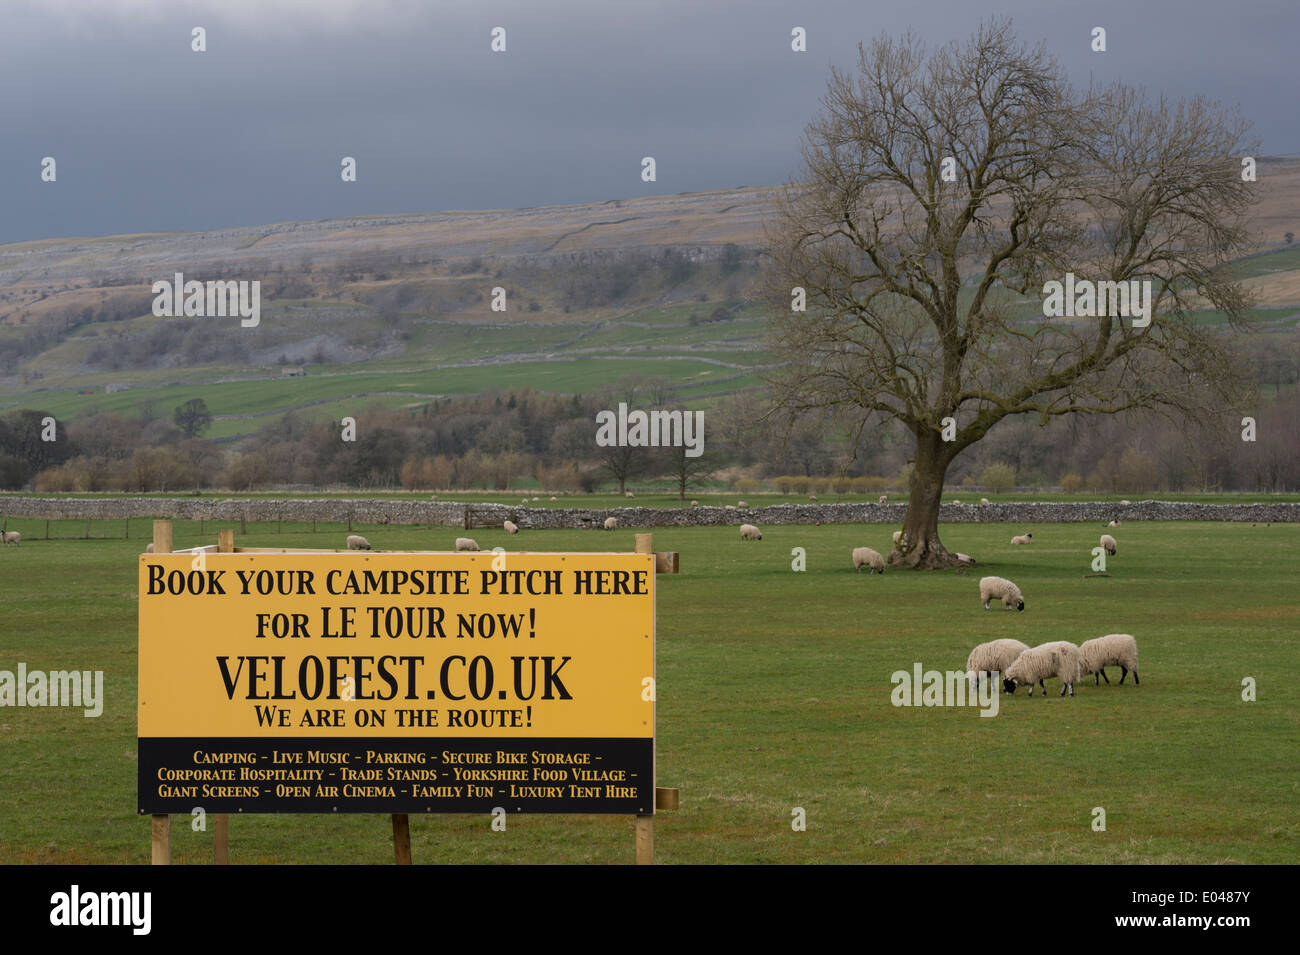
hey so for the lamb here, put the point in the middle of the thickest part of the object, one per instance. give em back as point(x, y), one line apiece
point(999, 588)
point(1114, 649)
point(611, 523)
point(466, 543)
point(510, 527)
point(992, 657)
point(357, 542)
point(10, 537)
point(1058, 659)
point(748, 532)
point(869, 557)
point(1108, 542)
point(898, 536)
point(1022, 538)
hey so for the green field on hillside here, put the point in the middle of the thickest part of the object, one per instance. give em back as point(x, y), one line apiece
point(774, 694)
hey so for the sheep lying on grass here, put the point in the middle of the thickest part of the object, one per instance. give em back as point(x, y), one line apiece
point(357, 542)
point(510, 527)
point(1022, 539)
point(748, 532)
point(999, 588)
point(1114, 649)
point(1059, 659)
point(1108, 543)
point(1113, 524)
point(611, 523)
point(870, 558)
point(466, 543)
point(992, 657)
point(965, 559)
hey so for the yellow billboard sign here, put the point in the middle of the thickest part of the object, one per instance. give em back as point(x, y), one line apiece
point(399, 682)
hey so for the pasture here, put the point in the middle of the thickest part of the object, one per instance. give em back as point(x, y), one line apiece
point(774, 693)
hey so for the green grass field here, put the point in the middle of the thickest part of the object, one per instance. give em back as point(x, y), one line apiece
point(774, 693)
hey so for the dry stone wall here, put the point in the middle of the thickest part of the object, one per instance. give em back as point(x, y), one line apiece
point(454, 514)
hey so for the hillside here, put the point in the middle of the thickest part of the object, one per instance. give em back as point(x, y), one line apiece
point(396, 309)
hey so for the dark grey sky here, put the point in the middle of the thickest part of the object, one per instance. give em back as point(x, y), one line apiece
point(150, 136)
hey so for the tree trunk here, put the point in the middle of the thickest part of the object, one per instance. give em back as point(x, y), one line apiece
point(920, 547)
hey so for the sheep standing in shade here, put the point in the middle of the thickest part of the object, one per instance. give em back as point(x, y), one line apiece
point(999, 588)
point(748, 532)
point(510, 527)
point(870, 558)
point(611, 523)
point(1114, 649)
point(1108, 543)
point(992, 657)
point(466, 543)
point(1022, 539)
point(357, 542)
point(1059, 659)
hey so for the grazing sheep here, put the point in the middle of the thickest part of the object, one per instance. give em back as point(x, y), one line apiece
point(884, 498)
point(1108, 543)
point(999, 588)
point(1059, 659)
point(992, 657)
point(628, 494)
point(1114, 649)
point(965, 559)
point(741, 504)
point(611, 523)
point(510, 527)
point(898, 536)
point(748, 532)
point(148, 548)
point(869, 557)
point(1022, 538)
point(983, 501)
point(1113, 524)
point(466, 543)
point(357, 542)
point(812, 497)
point(11, 537)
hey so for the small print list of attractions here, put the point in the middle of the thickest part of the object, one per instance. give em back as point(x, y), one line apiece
point(404, 776)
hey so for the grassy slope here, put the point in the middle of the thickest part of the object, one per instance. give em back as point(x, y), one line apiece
point(774, 693)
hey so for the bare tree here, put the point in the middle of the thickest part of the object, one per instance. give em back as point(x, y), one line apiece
point(924, 289)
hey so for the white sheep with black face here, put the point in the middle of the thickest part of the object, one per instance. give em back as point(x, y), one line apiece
point(999, 588)
point(1058, 659)
point(1113, 650)
point(466, 544)
point(510, 527)
point(611, 523)
point(1108, 543)
point(11, 537)
point(1023, 539)
point(357, 542)
point(992, 657)
point(748, 532)
point(870, 558)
